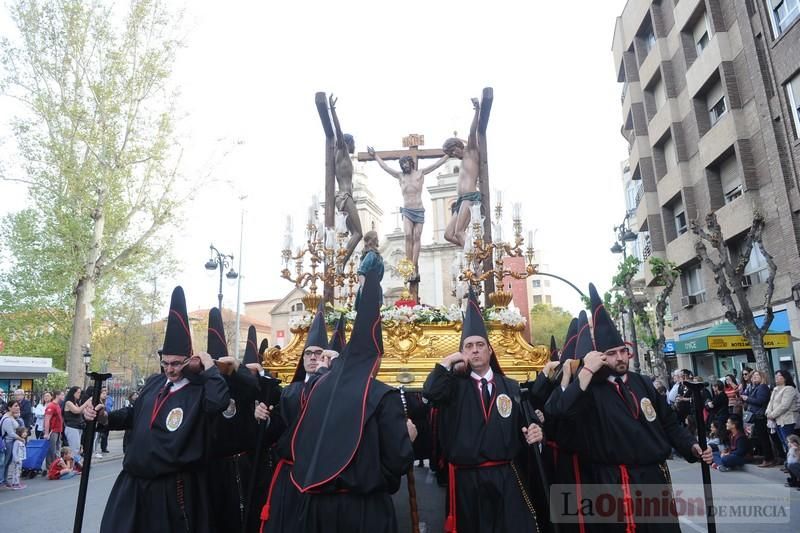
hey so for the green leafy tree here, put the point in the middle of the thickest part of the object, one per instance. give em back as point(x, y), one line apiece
point(99, 155)
point(547, 320)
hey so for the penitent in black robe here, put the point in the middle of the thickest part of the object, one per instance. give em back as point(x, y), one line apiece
point(162, 486)
point(358, 500)
point(230, 466)
point(490, 492)
point(280, 513)
point(630, 434)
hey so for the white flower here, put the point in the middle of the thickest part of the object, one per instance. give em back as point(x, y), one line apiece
point(302, 320)
point(452, 313)
point(508, 316)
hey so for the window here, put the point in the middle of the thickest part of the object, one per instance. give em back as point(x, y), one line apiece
point(670, 155)
point(715, 102)
point(701, 33)
point(296, 308)
point(784, 12)
point(548, 300)
point(537, 299)
point(648, 38)
point(632, 195)
point(537, 283)
point(730, 179)
point(693, 283)
point(659, 94)
point(679, 216)
point(793, 91)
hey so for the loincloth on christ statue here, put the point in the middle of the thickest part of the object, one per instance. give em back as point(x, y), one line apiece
point(474, 197)
point(341, 199)
point(415, 214)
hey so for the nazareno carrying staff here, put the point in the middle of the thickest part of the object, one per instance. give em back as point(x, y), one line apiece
point(483, 434)
point(233, 432)
point(162, 486)
point(351, 446)
point(629, 430)
point(280, 512)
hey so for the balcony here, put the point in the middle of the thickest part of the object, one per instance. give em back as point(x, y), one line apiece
point(649, 280)
point(720, 137)
point(735, 217)
point(660, 123)
point(650, 64)
point(684, 10)
point(649, 204)
point(640, 148)
point(717, 51)
point(681, 250)
point(670, 184)
point(632, 94)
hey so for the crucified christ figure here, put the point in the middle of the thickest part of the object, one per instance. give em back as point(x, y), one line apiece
point(467, 187)
point(411, 180)
point(345, 145)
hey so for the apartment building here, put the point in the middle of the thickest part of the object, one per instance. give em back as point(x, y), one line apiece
point(711, 113)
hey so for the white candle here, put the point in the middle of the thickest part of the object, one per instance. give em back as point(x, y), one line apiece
point(341, 222)
point(498, 232)
point(530, 238)
point(475, 213)
point(289, 224)
point(516, 210)
point(499, 195)
point(287, 241)
point(315, 202)
point(330, 238)
point(468, 244)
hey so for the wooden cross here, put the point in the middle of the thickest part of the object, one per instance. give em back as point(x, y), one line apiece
point(412, 142)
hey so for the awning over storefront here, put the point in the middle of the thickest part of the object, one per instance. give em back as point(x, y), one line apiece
point(12, 366)
point(726, 337)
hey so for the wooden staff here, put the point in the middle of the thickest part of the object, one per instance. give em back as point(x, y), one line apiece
point(531, 418)
point(88, 436)
point(412, 485)
point(697, 399)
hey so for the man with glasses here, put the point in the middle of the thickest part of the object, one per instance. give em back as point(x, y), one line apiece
point(162, 486)
point(630, 430)
point(280, 512)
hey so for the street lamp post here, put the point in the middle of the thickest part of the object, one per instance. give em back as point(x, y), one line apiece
point(87, 359)
point(221, 261)
point(624, 236)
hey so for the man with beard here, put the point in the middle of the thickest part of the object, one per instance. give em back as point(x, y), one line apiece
point(352, 444)
point(411, 180)
point(483, 434)
point(629, 430)
point(233, 431)
point(162, 486)
point(281, 511)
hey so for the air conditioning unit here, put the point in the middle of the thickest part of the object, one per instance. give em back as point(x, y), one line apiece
point(688, 301)
point(747, 281)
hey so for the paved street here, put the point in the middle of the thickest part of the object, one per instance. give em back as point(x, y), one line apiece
point(49, 506)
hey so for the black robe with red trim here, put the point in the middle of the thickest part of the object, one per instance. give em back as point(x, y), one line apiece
point(491, 499)
point(358, 499)
point(233, 437)
point(629, 436)
point(162, 486)
point(281, 511)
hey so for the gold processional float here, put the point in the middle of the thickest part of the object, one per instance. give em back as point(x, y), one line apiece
point(411, 347)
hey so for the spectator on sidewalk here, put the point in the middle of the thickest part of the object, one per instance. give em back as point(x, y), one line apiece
point(732, 392)
point(17, 457)
point(718, 409)
point(101, 432)
point(3, 404)
point(38, 414)
point(126, 437)
point(793, 461)
point(63, 467)
point(25, 408)
point(734, 456)
point(8, 431)
point(780, 409)
point(755, 399)
point(53, 427)
point(73, 418)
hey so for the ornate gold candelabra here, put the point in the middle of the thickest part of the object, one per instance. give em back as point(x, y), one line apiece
point(325, 249)
point(470, 266)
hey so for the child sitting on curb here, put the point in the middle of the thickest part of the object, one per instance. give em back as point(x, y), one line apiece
point(63, 467)
point(734, 456)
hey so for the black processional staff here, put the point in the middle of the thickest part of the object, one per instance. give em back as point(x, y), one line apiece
point(697, 399)
point(411, 482)
point(88, 436)
point(532, 418)
point(266, 388)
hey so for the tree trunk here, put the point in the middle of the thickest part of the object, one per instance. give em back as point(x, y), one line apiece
point(81, 331)
point(760, 353)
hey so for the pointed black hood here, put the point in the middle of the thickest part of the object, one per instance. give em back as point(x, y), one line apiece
point(250, 350)
point(473, 325)
point(338, 339)
point(568, 350)
point(606, 335)
point(217, 346)
point(329, 431)
point(553, 349)
point(583, 342)
point(317, 336)
point(263, 347)
point(178, 337)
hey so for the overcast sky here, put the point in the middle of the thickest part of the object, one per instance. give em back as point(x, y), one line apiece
point(248, 76)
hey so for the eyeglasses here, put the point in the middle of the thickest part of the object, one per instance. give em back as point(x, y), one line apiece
point(309, 353)
point(173, 364)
